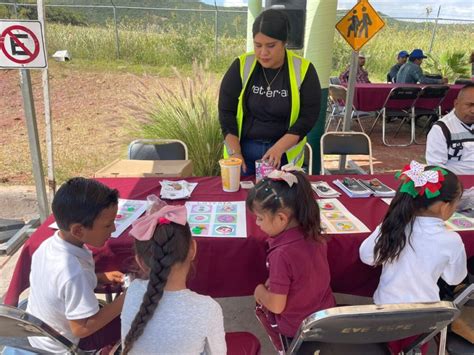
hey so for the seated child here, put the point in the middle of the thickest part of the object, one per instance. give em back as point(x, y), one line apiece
point(63, 279)
point(413, 245)
point(299, 278)
point(160, 314)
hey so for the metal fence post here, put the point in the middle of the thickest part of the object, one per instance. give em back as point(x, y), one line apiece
point(216, 25)
point(117, 39)
point(434, 30)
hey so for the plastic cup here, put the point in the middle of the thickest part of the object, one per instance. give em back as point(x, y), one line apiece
point(230, 173)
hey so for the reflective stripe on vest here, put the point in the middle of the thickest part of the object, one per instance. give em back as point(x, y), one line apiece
point(297, 68)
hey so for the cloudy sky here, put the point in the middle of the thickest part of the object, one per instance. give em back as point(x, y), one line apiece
point(459, 9)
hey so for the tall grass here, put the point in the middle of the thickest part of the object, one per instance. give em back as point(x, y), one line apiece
point(188, 113)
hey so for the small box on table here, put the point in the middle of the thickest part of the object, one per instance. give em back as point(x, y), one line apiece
point(147, 168)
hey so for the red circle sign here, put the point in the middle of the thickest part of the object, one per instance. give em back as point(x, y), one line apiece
point(30, 54)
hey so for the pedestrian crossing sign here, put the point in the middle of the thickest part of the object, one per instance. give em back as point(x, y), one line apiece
point(360, 24)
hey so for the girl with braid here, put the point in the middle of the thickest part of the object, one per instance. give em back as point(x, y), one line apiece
point(160, 315)
point(413, 245)
point(299, 278)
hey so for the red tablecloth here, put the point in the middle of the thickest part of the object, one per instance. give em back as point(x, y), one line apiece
point(371, 97)
point(233, 267)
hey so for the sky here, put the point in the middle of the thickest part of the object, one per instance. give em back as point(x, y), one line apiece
point(458, 9)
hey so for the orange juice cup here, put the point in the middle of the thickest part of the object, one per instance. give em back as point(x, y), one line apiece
point(230, 172)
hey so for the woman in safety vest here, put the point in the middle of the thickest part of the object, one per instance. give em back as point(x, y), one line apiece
point(269, 99)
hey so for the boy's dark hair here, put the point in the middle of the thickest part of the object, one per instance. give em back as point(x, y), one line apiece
point(402, 213)
point(170, 245)
point(80, 200)
point(273, 195)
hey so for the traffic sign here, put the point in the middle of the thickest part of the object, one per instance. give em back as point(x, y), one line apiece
point(22, 45)
point(360, 24)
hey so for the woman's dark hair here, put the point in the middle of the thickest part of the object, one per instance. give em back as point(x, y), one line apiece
point(272, 23)
point(402, 213)
point(81, 200)
point(274, 195)
point(170, 245)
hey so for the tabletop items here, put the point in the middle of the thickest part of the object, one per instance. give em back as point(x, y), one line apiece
point(358, 188)
point(176, 190)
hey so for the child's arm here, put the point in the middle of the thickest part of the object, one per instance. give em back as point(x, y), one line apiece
point(115, 277)
point(366, 250)
point(274, 302)
point(84, 327)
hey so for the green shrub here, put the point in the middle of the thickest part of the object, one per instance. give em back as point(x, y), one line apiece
point(188, 113)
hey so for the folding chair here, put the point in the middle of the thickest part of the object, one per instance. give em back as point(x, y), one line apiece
point(431, 97)
point(400, 102)
point(334, 80)
point(157, 149)
point(337, 94)
point(308, 159)
point(463, 81)
point(346, 143)
point(16, 326)
point(358, 330)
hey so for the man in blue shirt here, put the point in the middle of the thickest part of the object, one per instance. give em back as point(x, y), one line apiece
point(401, 59)
point(411, 73)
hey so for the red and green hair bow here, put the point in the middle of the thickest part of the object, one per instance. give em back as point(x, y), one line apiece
point(416, 181)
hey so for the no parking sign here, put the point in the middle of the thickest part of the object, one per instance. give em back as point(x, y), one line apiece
point(22, 45)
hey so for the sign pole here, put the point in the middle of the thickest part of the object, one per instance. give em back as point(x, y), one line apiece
point(33, 140)
point(47, 109)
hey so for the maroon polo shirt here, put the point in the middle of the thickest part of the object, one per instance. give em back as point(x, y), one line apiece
point(298, 268)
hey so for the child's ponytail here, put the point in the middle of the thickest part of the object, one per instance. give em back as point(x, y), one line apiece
point(420, 188)
point(168, 245)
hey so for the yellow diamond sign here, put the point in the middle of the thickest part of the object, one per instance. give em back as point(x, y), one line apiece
point(360, 24)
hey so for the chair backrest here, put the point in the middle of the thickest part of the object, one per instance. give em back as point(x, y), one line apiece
point(338, 93)
point(157, 149)
point(346, 143)
point(16, 323)
point(462, 81)
point(369, 324)
point(402, 97)
point(432, 95)
point(308, 158)
point(334, 80)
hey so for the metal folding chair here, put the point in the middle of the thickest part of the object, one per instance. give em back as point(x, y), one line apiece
point(308, 159)
point(358, 330)
point(400, 102)
point(157, 149)
point(16, 325)
point(346, 143)
point(337, 95)
point(430, 99)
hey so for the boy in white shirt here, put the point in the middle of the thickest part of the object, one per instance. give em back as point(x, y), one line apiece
point(62, 274)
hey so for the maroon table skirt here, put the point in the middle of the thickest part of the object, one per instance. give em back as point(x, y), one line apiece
point(232, 267)
point(371, 97)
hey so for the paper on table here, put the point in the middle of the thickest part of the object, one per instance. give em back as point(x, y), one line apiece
point(336, 218)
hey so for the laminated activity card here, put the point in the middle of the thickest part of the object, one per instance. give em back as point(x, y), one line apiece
point(336, 218)
point(217, 219)
point(128, 212)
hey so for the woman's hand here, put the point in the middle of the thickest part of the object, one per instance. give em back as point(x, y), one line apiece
point(273, 156)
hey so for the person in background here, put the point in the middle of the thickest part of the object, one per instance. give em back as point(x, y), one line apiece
point(299, 277)
point(269, 99)
point(413, 245)
point(160, 314)
point(450, 142)
point(362, 74)
point(411, 72)
point(401, 59)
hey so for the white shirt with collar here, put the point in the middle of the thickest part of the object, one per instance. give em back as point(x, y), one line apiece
point(62, 283)
point(437, 149)
point(432, 252)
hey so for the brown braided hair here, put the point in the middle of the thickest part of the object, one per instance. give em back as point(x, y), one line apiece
point(170, 245)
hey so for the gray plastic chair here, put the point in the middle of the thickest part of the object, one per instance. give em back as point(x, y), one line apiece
point(16, 325)
point(157, 149)
point(358, 330)
point(308, 159)
point(346, 143)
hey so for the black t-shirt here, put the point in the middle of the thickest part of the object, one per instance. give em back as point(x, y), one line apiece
point(267, 113)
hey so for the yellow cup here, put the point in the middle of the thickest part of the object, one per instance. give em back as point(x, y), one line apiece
point(230, 172)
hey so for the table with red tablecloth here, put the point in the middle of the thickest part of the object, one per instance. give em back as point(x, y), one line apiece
point(227, 267)
point(371, 97)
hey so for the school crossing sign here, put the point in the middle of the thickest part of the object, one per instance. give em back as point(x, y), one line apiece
point(360, 24)
point(21, 45)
